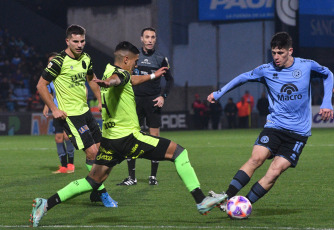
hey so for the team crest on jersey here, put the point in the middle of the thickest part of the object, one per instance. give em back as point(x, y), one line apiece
point(264, 139)
point(50, 65)
point(84, 65)
point(297, 73)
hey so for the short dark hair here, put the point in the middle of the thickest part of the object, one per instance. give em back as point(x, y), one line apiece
point(127, 46)
point(147, 28)
point(75, 29)
point(52, 54)
point(281, 40)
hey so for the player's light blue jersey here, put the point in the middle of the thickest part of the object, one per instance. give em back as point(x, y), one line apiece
point(52, 90)
point(289, 92)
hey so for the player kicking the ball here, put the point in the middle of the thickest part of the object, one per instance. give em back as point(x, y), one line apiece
point(122, 138)
point(289, 123)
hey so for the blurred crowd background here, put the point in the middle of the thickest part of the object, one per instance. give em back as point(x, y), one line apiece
point(208, 43)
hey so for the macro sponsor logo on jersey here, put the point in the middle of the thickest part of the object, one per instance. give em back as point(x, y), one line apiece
point(289, 92)
point(78, 79)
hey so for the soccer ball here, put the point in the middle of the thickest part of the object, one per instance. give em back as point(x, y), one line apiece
point(238, 207)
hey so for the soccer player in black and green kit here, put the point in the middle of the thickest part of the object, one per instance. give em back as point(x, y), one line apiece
point(122, 138)
point(69, 71)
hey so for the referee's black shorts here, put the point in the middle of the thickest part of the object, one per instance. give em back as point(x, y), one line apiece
point(147, 111)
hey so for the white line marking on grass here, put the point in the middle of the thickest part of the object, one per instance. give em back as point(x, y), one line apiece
point(24, 148)
point(168, 226)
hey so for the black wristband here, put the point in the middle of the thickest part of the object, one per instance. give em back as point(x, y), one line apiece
point(164, 95)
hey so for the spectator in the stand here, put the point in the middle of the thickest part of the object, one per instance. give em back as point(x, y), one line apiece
point(5, 87)
point(19, 42)
point(243, 113)
point(11, 103)
point(16, 59)
point(249, 99)
point(205, 114)
point(263, 108)
point(231, 111)
point(94, 105)
point(17, 79)
point(26, 51)
point(199, 109)
point(215, 112)
point(35, 103)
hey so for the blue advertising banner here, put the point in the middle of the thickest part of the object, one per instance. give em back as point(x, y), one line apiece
point(213, 10)
point(316, 23)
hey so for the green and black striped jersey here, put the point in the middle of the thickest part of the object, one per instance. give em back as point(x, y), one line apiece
point(69, 78)
point(118, 106)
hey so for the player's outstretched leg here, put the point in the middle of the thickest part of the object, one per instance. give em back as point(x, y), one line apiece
point(188, 176)
point(38, 211)
point(73, 189)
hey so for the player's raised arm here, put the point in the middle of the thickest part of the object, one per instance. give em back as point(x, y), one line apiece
point(138, 79)
point(95, 88)
point(113, 80)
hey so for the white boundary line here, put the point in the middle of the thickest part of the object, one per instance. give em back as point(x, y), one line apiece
point(167, 226)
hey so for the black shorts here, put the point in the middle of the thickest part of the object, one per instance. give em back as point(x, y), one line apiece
point(58, 124)
point(83, 130)
point(282, 143)
point(136, 145)
point(146, 109)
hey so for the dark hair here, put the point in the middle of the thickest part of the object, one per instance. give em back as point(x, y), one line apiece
point(52, 54)
point(147, 28)
point(281, 40)
point(75, 29)
point(127, 46)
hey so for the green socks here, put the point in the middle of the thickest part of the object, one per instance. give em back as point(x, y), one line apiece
point(186, 171)
point(74, 189)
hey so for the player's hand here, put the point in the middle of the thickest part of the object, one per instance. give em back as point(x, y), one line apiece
point(326, 114)
point(102, 83)
point(159, 101)
point(46, 111)
point(59, 114)
point(211, 99)
point(160, 71)
point(99, 106)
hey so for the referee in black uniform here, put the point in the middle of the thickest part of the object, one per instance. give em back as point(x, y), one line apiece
point(149, 96)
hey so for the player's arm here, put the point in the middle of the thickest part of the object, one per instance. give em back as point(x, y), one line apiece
point(95, 88)
point(46, 108)
point(138, 79)
point(326, 108)
point(113, 80)
point(168, 77)
point(254, 75)
point(160, 101)
point(45, 95)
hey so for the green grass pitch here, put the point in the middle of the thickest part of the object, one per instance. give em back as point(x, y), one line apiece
point(302, 198)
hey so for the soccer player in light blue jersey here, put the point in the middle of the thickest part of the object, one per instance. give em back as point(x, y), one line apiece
point(288, 125)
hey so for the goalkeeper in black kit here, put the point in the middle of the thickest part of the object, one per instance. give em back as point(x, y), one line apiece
point(149, 97)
